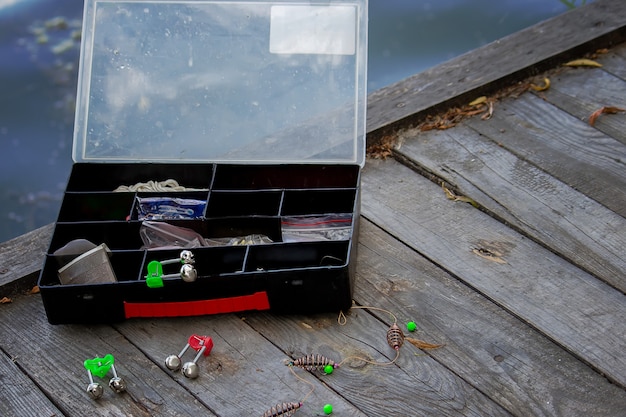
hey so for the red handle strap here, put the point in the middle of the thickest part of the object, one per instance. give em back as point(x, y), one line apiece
point(256, 301)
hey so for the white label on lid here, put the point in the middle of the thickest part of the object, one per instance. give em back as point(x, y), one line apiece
point(300, 29)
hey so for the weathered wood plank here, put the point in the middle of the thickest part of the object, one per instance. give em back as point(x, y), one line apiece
point(497, 64)
point(376, 390)
point(53, 358)
point(613, 62)
point(21, 260)
point(581, 92)
point(243, 375)
point(20, 396)
point(487, 347)
point(562, 145)
point(524, 196)
point(565, 303)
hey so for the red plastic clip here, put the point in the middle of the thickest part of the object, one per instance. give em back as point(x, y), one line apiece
point(197, 343)
point(201, 344)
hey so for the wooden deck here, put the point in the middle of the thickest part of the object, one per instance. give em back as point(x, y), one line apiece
point(525, 287)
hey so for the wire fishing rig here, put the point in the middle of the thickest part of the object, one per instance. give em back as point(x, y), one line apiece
point(315, 362)
point(100, 367)
point(283, 410)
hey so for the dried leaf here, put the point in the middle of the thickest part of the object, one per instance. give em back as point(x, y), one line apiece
point(604, 110)
point(35, 290)
point(489, 111)
point(451, 196)
point(305, 325)
point(479, 100)
point(583, 62)
point(420, 344)
point(383, 148)
point(464, 199)
point(544, 87)
point(5, 300)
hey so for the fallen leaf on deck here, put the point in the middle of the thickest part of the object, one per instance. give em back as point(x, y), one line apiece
point(583, 62)
point(383, 148)
point(420, 344)
point(479, 100)
point(35, 290)
point(544, 87)
point(604, 110)
point(489, 111)
point(451, 196)
point(5, 300)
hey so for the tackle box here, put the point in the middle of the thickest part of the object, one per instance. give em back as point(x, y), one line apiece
point(234, 130)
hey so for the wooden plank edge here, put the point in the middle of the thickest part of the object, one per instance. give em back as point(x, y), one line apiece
point(21, 259)
point(460, 89)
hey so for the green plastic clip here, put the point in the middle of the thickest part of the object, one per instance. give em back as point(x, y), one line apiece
point(155, 272)
point(99, 366)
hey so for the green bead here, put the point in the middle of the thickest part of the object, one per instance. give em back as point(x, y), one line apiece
point(328, 369)
point(328, 409)
point(411, 326)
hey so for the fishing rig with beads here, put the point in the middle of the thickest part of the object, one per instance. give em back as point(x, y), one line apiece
point(315, 362)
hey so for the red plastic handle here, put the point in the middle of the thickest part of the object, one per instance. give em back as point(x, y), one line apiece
point(256, 301)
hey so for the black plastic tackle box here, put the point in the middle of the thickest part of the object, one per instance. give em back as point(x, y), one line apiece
point(218, 147)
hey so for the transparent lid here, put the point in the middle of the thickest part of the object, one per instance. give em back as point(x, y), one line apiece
point(222, 81)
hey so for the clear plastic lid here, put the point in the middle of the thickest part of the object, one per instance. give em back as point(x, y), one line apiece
point(222, 81)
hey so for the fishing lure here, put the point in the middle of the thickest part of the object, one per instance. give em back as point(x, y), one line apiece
point(282, 410)
point(395, 337)
point(314, 362)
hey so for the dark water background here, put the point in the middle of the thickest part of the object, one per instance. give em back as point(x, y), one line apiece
point(39, 61)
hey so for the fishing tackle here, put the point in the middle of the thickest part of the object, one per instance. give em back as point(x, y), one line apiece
point(188, 273)
point(100, 367)
point(282, 410)
point(201, 344)
point(314, 362)
point(395, 337)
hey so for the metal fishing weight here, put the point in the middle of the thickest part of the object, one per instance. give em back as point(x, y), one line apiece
point(186, 257)
point(283, 410)
point(202, 345)
point(395, 337)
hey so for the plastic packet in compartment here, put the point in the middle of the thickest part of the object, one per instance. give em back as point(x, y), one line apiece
point(316, 228)
point(254, 239)
point(169, 208)
point(161, 235)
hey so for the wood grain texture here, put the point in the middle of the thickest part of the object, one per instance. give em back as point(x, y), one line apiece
point(582, 91)
point(19, 396)
point(613, 61)
point(497, 64)
point(563, 302)
point(564, 146)
point(376, 389)
point(53, 358)
point(243, 375)
point(501, 356)
point(21, 260)
point(522, 195)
